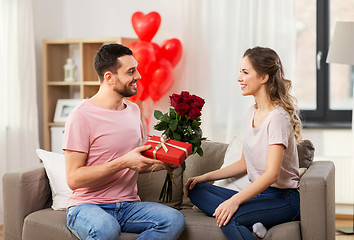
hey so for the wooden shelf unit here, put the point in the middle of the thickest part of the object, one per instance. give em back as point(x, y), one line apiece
point(55, 54)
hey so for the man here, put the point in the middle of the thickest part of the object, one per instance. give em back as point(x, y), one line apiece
point(102, 144)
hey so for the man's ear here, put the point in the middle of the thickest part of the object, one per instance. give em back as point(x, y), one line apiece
point(265, 78)
point(107, 76)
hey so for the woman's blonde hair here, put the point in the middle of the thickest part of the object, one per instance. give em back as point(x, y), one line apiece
point(267, 61)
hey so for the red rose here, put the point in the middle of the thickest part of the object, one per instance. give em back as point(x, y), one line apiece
point(198, 102)
point(185, 95)
point(182, 108)
point(186, 104)
point(174, 99)
point(194, 113)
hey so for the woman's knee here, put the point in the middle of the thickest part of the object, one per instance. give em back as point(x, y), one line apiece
point(194, 191)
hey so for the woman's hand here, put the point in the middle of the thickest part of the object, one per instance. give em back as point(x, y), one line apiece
point(225, 211)
point(192, 182)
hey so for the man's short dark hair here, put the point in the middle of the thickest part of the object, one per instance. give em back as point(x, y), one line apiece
point(106, 58)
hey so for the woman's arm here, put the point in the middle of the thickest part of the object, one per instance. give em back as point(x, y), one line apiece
point(226, 210)
point(235, 169)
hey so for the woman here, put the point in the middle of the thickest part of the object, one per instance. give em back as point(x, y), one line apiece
point(269, 156)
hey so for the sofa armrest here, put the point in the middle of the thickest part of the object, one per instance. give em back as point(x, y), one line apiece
point(317, 201)
point(24, 192)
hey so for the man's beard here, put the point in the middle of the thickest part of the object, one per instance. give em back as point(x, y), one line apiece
point(126, 91)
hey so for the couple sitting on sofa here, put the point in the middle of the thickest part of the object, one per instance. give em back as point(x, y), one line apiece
point(102, 144)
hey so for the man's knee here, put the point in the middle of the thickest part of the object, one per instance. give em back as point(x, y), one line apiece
point(83, 222)
point(178, 220)
point(105, 230)
point(174, 220)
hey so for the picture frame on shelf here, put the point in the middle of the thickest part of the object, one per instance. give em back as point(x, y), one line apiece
point(63, 108)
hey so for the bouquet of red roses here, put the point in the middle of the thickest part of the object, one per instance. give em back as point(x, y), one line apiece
point(181, 123)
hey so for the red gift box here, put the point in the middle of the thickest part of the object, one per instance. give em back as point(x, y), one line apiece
point(176, 153)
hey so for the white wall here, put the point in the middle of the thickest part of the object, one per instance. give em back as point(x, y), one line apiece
point(105, 18)
point(331, 142)
point(110, 18)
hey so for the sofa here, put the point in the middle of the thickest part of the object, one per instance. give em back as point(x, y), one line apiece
point(28, 215)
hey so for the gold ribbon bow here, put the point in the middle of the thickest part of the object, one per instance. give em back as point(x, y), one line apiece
point(163, 140)
point(162, 143)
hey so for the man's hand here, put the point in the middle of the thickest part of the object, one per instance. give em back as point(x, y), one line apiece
point(136, 161)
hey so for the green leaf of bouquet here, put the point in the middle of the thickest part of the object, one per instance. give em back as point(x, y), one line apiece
point(193, 141)
point(173, 125)
point(173, 115)
point(200, 151)
point(158, 114)
point(190, 130)
point(196, 124)
point(161, 126)
point(176, 136)
point(165, 118)
point(194, 150)
point(172, 112)
point(183, 166)
point(168, 133)
point(158, 128)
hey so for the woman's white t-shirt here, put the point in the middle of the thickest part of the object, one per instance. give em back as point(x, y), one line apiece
point(276, 129)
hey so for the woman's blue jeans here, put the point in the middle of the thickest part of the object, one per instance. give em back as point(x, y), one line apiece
point(106, 221)
point(271, 207)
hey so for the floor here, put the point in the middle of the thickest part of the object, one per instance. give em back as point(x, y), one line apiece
point(339, 223)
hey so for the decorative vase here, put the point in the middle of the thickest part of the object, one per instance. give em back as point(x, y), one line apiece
point(69, 70)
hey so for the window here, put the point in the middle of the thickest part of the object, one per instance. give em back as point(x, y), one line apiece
point(324, 91)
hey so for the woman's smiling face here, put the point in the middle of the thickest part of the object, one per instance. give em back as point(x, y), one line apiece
point(249, 79)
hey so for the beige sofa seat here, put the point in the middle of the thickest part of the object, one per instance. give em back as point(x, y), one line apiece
point(28, 216)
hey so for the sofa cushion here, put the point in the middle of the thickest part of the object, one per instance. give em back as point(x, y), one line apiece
point(150, 185)
point(54, 164)
point(306, 152)
point(288, 231)
point(46, 224)
point(200, 226)
point(50, 224)
point(233, 154)
point(213, 158)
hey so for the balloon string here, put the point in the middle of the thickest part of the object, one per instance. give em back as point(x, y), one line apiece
point(146, 118)
point(147, 112)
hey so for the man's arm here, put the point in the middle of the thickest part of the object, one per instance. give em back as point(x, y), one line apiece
point(79, 175)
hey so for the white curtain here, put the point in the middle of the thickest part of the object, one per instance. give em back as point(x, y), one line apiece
point(217, 33)
point(18, 105)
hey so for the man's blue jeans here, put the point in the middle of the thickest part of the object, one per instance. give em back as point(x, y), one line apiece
point(271, 207)
point(107, 221)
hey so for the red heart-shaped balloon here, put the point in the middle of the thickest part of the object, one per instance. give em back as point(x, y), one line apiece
point(144, 53)
point(171, 49)
point(146, 25)
point(161, 79)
